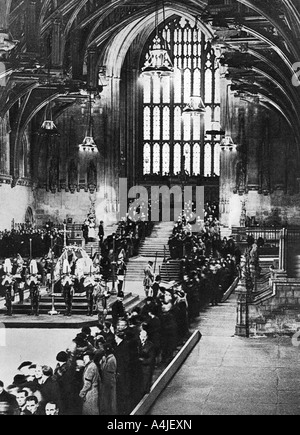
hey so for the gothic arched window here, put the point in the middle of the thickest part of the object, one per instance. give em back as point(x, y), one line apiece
point(174, 143)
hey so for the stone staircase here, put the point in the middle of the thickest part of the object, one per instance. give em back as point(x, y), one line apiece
point(171, 270)
point(158, 241)
point(79, 304)
point(155, 244)
point(91, 248)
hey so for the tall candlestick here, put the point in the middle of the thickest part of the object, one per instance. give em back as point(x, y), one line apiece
point(30, 249)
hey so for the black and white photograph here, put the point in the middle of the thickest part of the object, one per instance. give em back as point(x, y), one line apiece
point(149, 210)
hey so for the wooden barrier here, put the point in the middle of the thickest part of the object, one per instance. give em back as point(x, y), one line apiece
point(158, 387)
point(230, 290)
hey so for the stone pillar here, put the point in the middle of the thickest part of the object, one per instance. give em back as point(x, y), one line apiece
point(229, 157)
point(3, 15)
point(31, 27)
point(244, 293)
point(254, 132)
point(4, 146)
point(92, 70)
point(77, 64)
point(56, 54)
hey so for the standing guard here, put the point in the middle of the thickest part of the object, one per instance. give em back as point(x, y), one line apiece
point(8, 283)
point(67, 284)
point(34, 288)
point(19, 284)
point(101, 296)
point(89, 285)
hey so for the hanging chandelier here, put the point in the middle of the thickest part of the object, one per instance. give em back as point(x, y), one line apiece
point(195, 107)
point(48, 128)
point(158, 61)
point(228, 142)
point(89, 144)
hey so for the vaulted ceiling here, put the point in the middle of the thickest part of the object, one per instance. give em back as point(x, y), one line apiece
point(259, 41)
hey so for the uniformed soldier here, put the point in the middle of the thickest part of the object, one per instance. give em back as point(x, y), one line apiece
point(89, 285)
point(8, 283)
point(67, 284)
point(101, 296)
point(34, 288)
point(19, 282)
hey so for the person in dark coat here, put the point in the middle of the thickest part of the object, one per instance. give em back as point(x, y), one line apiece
point(49, 388)
point(118, 310)
point(108, 402)
point(123, 379)
point(169, 332)
point(101, 233)
point(65, 376)
point(154, 330)
point(8, 403)
point(147, 359)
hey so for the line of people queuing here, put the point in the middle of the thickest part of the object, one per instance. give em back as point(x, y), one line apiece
point(106, 372)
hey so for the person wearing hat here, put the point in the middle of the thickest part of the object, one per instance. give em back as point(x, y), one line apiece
point(65, 377)
point(118, 310)
point(90, 392)
point(89, 285)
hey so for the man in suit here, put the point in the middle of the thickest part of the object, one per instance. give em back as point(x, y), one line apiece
point(118, 310)
point(101, 233)
point(21, 400)
point(32, 406)
point(122, 356)
point(147, 359)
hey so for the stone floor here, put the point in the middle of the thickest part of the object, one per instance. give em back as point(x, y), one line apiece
point(227, 375)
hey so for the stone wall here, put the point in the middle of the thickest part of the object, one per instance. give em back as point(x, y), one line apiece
point(281, 314)
point(261, 174)
point(63, 205)
point(14, 204)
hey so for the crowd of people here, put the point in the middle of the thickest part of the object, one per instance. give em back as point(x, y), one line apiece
point(209, 264)
point(28, 241)
point(106, 372)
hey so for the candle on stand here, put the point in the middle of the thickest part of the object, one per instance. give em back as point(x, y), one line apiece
point(30, 249)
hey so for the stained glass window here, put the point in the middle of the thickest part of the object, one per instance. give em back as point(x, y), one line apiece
point(176, 143)
point(147, 159)
point(187, 158)
point(207, 160)
point(177, 159)
point(156, 159)
point(166, 159)
point(196, 159)
point(217, 152)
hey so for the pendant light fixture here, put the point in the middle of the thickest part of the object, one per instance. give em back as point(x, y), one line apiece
point(158, 61)
point(48, 128)
point(88, 144)
point(195, 107)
